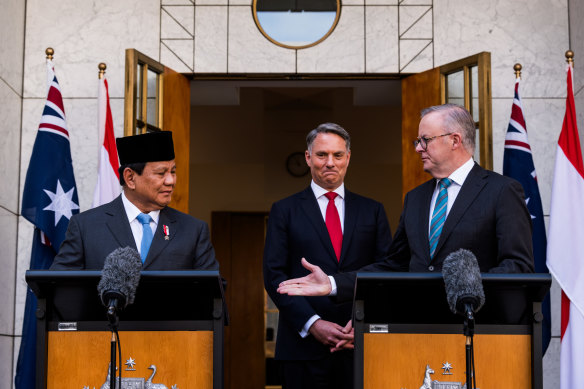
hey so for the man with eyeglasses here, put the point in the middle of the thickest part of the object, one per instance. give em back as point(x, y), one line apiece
point(462, 206)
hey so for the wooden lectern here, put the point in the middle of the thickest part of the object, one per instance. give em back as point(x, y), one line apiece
point(170, 337)
point(407, 337)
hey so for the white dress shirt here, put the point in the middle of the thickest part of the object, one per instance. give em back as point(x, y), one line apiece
point(323, 201)
point(132, 212)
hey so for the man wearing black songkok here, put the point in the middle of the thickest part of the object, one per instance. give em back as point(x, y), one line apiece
point(148, 176)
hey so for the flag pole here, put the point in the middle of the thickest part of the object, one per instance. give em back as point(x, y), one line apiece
point(570, 57)
point(49, 52)
point(102, 66)
point(517, 67)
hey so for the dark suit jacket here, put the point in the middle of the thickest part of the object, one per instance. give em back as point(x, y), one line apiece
point(489, 218)
point(297, 229)
point(95, 233)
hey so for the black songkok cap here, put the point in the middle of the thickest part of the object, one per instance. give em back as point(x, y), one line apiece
point(149, 147)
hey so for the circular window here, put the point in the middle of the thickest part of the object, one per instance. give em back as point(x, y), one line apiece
point(296, 24)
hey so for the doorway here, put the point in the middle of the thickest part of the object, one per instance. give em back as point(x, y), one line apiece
point(242, 134)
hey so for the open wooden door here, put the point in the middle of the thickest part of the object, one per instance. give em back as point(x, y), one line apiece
point(466, 82)
point(158, 98)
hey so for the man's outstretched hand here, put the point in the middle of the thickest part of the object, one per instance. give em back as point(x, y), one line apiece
point(316, 283)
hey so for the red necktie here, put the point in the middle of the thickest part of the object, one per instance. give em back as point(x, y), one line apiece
point(333, 224)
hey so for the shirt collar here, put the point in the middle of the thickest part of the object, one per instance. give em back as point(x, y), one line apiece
point(132, 211)
point(319, 191)
point(460, 174)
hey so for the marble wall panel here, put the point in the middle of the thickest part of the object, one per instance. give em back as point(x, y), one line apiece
point(177, 54)
point(353, 2)
point(381, 39)
point(251, 52)
point(416, 2)
point(556, 306)
point(538, 41)
point(177, 2)
point(25, 233)
point(84, 33)
point(16, 349)
point(211, 39)
point(381, 2)
point(177, 22)
point(416, 55)
point(239, 2)
point(216, 2)
point(579, 102)
point(415, 22)
point(8, 236)
point(551, 365)
point(544, 122)
point(6, 353)
point(576, 16)
point(10, 112)
point(343, 51)
point(12, 43)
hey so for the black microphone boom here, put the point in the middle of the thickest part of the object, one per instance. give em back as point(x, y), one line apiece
point(119, 279)
point(462, 278)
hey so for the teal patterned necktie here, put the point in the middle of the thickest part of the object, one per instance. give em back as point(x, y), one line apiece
point(439, 215)
point(146, 235)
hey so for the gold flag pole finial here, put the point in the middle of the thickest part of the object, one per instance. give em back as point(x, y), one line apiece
point(49, 52)
point(102, 66)
point(570, 57)
point(517, 67)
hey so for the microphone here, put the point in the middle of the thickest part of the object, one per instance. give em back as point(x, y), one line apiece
point(119, 279)
point(464, 287)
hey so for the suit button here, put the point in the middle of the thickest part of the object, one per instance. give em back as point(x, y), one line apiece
point(431, 268)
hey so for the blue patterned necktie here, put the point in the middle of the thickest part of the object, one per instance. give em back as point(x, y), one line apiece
point(439, 215)
point(146, 235)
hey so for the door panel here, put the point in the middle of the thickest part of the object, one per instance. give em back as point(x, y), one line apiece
point(418, 92)
point(176, 117)
point(158, 98)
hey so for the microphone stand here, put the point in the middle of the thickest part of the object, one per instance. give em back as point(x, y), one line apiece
point(468, 331)
point(113, 324)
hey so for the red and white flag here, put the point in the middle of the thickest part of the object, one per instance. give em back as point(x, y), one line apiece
point(565, 251)
point(108, 178)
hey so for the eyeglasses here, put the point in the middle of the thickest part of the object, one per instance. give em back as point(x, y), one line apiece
point(423, 141)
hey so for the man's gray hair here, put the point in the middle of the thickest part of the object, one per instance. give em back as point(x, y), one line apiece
point(456, 118)
point(329, 128)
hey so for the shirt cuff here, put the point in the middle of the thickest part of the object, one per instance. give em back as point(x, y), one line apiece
point(333, 286)
point(309, 323)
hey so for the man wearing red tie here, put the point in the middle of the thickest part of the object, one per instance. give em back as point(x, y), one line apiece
point(336, 229)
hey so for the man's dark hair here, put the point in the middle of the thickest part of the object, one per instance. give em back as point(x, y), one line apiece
point(138, 167)
point(330, 128)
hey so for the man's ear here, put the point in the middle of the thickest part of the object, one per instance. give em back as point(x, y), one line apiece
point(456, 140)
point(129, 177)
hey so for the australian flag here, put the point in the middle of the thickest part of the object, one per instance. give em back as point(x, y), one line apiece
point(518, 164)
point(49, 200)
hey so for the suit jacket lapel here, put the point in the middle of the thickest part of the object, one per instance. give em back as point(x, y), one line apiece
point(472, 186)
point(351, 212)
point(119, 225)
point(312, 211)
point(424, 215)
point(159, 241)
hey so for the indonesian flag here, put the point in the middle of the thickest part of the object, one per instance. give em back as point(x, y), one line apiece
point(108, 179)
point(565, 254)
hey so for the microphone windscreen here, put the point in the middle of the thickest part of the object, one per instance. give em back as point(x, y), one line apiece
point(462, 279)
point(121, 274)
